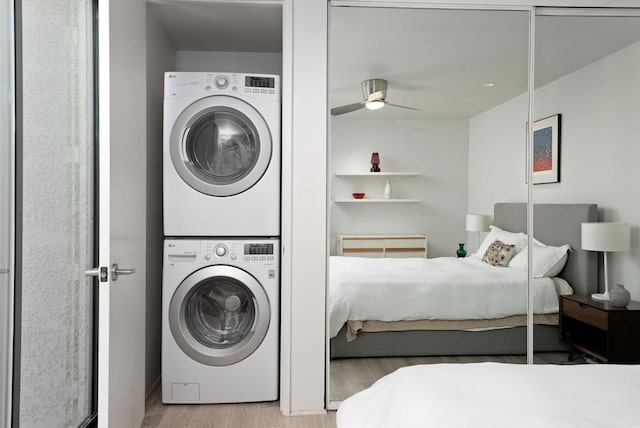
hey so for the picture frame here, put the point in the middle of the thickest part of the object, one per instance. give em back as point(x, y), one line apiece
point(546, 150)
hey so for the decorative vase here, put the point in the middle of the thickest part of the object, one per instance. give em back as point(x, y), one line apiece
point(461, 251)
point(619, 296)
point(375, 161)
point(387, 190)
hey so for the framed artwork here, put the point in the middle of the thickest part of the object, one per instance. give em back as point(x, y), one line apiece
point(546, 150)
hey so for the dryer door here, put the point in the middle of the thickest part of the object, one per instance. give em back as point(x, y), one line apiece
point(220, 146)
point(219, 315)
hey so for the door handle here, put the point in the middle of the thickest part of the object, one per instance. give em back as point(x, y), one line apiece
point(4, 271)
point(103, 273)
point(100, 272)
point(116, 271)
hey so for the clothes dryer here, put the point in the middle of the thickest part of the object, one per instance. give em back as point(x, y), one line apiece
point(220, 320)
point(221, 151)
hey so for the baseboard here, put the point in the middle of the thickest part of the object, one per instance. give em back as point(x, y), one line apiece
point(308, 413)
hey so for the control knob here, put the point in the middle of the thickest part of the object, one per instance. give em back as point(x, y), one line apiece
point(221, 250)
point(222, 82)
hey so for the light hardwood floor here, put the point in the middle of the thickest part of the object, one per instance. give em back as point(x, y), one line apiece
point(351, 375)
point(245, 415)
point(348, 376)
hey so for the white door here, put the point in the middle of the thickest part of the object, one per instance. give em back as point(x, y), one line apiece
point(122, 211)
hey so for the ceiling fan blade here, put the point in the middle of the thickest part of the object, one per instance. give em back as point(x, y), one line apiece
point(405, 107)
point(336, 111)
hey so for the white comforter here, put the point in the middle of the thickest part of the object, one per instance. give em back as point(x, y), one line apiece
point(495, 395)
point(444, 288)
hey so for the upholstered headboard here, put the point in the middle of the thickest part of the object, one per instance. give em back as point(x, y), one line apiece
point(557, 224)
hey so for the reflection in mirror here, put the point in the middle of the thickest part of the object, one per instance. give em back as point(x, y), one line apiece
point(446, 144)
point(587, 74)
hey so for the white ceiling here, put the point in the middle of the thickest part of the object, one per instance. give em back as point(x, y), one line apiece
point(201, 25)
point(438, 60)
point(434, 59)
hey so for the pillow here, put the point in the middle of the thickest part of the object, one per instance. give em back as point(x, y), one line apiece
point(499, 253)
point(548, 261)
point(519, 240)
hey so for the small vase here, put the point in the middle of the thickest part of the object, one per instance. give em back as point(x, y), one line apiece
point(461, 251)
point(619, 296)
point(387, 190)
point(375, 161)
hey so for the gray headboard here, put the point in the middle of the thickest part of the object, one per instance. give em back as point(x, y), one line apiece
point(557, 224)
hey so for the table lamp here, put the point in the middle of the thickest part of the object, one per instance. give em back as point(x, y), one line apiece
point(605, 237)
point(478, 223)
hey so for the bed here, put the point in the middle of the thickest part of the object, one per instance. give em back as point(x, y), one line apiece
point(554, 225)
point(498, 395)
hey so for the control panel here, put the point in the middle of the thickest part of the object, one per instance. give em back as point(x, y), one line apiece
point(179, 252)
point(245, 251)
point(179, 84)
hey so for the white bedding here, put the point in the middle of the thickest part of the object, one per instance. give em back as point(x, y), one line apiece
point(498, 395)
point(444, 288)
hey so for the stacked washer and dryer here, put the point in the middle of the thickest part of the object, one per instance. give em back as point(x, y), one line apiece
point(221, 201)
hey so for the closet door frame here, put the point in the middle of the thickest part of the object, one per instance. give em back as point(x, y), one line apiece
point(7, 202)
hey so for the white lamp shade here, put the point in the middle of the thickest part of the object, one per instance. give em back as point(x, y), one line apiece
point(606, 236)
point(478, 222)
point(374, 105)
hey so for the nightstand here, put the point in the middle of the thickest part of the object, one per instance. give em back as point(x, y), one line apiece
point(600, 329)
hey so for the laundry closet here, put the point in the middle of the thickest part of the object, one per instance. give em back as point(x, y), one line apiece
point(218, 38)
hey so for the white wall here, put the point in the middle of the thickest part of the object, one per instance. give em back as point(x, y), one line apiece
point(600, 149)
point(229, 62)
point(436, 148)
point(497, 141)
point(160, 58)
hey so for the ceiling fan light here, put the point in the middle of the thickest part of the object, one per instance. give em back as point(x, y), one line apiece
point(374, 105)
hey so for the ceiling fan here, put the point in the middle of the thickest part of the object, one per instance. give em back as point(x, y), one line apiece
point(374, 92)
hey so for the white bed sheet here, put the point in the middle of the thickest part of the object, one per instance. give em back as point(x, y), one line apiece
point(444, 288)
point(498, 395)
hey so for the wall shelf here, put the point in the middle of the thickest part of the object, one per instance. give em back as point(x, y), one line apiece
point(385, 201)
point(387, 175)
point(379, 174)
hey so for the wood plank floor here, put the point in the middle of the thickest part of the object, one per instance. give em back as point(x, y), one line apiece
point(350, 375)
point(245, 415)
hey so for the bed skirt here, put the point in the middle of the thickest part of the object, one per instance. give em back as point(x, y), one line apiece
point(507, 341)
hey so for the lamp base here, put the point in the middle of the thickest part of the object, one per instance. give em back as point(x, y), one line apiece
point(603, 296)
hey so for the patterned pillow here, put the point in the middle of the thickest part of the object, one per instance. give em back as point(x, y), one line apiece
point(499, 254)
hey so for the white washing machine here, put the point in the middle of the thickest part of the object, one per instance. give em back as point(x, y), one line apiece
point(220, 309)
point(221, 154)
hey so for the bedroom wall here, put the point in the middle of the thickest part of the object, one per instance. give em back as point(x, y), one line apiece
point(600, 146)
point(436, 148)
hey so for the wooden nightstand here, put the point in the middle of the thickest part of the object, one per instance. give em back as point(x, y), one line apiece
point(600, 329)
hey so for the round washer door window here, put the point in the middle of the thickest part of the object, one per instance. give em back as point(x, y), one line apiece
point(219, 315)
point(220, 146)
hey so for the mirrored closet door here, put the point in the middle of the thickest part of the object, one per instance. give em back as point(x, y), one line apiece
point(586, 146)
point(427, 150)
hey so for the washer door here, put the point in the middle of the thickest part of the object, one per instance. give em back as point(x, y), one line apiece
point(220, 146)
point(219, 315)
